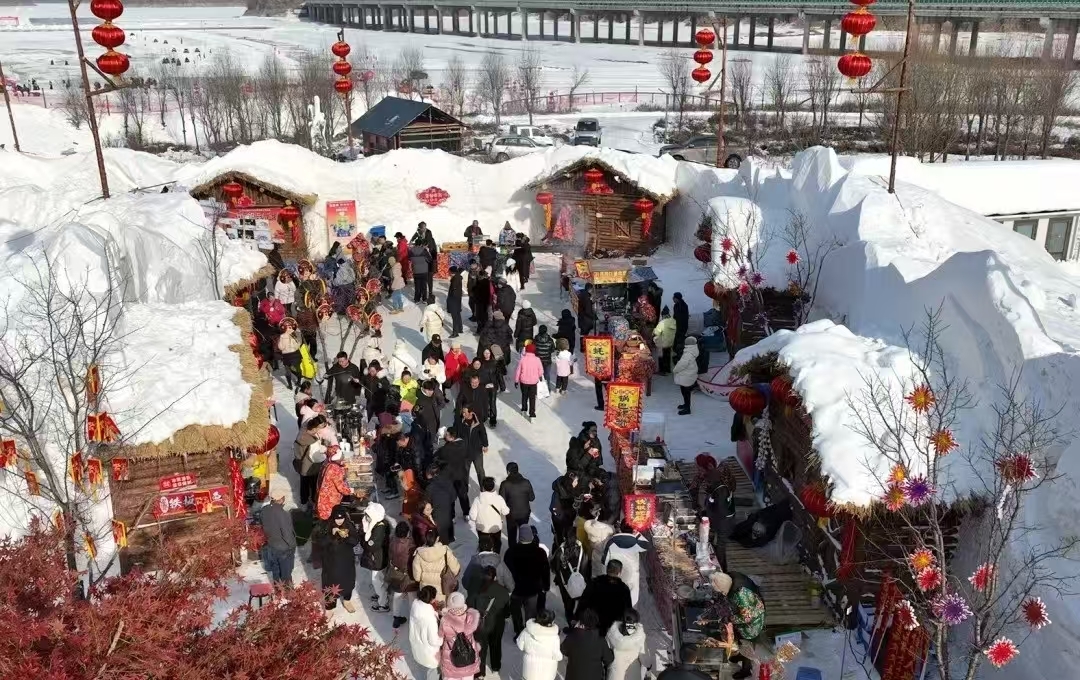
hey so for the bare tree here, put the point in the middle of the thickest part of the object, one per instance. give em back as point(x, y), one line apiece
point(409, 69)
point(530, 78)
point(455, 84)
point(822, 86)
point(674, 67)
point(492, 80)
point(807, 250)
point(741, 79)
point(135, 106)
point(73, 104)
point(1056, 83)
point(579, 75)
point(780, 82)
point(271, 91)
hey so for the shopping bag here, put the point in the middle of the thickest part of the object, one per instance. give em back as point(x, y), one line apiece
point(542, 391)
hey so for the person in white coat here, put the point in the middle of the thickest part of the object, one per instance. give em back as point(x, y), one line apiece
point(487, 513)
point(540, 646)
point(425, 640)
point(686, 373)
point(400, 360)
point(627, 641)
point(373, 353)
point(431, 323)
point(598, 531)
point(627, 548)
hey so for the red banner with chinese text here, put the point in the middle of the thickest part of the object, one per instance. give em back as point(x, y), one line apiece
point(8, 454)
point(191, 502)
point(639, 509)
point(95, 473)
point(121, 469)
point(177, 481)
point(33, 487)
point(623, 408)
point(100, 427)
point(599, 356)
point(75, 469)
point(119, 533)
point(905, 653)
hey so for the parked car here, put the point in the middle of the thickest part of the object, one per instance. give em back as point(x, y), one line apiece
point(587, 131)
point(512, 146)
point(532, 132)
point(700, 149)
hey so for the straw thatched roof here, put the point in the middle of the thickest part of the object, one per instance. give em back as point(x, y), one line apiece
point(236, 286)
point(206, 187)
point(208, 438)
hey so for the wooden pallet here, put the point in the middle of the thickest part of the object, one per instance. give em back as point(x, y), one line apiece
point(786, 588)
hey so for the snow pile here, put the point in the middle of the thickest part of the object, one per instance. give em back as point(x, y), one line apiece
point(655, 175)
point(74, 178)
point(178, 370)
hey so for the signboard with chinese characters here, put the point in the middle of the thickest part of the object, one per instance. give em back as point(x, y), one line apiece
point(191, 502)
point(623, 408)
point(177, 481)
point(599, 356)
point(639, 509)
point(341, 221)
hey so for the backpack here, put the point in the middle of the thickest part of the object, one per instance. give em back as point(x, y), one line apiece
point(273, 310)
point(575, 585)
point(462, 654)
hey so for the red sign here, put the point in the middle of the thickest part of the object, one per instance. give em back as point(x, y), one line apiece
point(8, 453)
point(121, 469)
point(623, 408)
point(599, 356)
point(639, 509)
point(191, 502)
point(178, 480)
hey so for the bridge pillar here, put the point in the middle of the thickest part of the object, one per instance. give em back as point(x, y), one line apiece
point(596, 27)
point(472, 13)
point(937, 35)
point(974, 42)
point(660, 29)
point(693, 28)
point(611, 28)
point(862, 39)
point(827, 34)
point(843, 40)
point(575, 25)
point(675, 21)
point(1048, 39)
point(753, 32)
point(626, 19)
point(640, 26)
point(509, 23)
point(772, 29)
point(555, 26)
point(438, 20)
point(954, 35)
point(1070, 43)
point(411, 27)
point(735, 24)
point(427, 26)
point(806, 34)
point(524, 14)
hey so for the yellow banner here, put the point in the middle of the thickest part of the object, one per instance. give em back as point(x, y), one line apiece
point(623, 409)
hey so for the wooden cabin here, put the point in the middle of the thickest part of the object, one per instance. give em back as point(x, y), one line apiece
point(396, 123)
point(601, 214)
point(259, 206)
point(177, 488)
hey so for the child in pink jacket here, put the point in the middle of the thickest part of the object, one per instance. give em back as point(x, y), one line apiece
point(564, 366)
point(530, 371)
point(458, 619)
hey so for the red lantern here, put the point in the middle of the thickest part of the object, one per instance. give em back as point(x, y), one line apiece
point(703, 253)
point(367, 76)
point(108, 35)
point(645, 207)
point(106, 10)
point(701, 74)
point(343, 86)
point(232, 190)
point(746, 401)
point(707, 36)
point(594, 175)
point(783, 391)
point(289, 213)
point(545, 198)
point(703, 57)
point(340, 49)
point(710, 290)
point(113, 63)
point(854, 64)
point(815, 501)
point(862, 3)
point(859, 22)
point(342, 68)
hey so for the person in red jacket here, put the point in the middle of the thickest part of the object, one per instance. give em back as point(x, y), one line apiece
point(403, 256)
point(332, 486)
point(455, 362)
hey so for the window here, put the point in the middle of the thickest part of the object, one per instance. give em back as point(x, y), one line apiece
point(1057, 237)
point(1026, 227)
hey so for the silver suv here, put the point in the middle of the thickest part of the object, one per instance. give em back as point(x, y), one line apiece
point(512, 146)
point(700, 149)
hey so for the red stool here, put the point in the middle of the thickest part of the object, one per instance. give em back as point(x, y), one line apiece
point(259, 591)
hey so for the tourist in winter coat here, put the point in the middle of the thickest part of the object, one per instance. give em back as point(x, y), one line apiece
point(597, 533)
point(407, 386)
point(528, 564)
point(488, 256)
point(434, 348)
point(686, 373)
point(435, 371)
point(567, 329)
point(423, 523)
point(343, 380)
point(430, 561)
point(564, 366)
point(288, 347)
point(280, 534)
point(401, 252)
point(421, 261)
point(585, 648)
point(397, 286)
point(332, 486)
point(627, 548)
point(487, 513)
point(528, 375)
point(398, 572)
point(586, 315)
point(540, 646)
point(492, 371)
point(455, 362)
point(454, 293)
point(431, 323)
point(567, 491)
point(586, 462)
point(487, 555)
point(606, 595)
point(492, 600)
point(424, 237)
point(518, 494)
point(569, 558)
point(285, 291)
point(681, 314)
point(507, 298)
point(480, 299)
point(376, 555)
point(523, 257)
point(664, 337)
point(525, 325)
point(458, 619)
point(442, 490)
point(748, 612)
point(474, 434)
point(338, 561)
point(627, 641)
point(376, 384)
point(425, 638)
point(473, 231)
point(545, 350)
point(477, 395)
point(497, 334)
point(589, 437)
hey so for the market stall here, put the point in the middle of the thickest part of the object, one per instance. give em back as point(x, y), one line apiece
point(452, 254)
point(616, 283)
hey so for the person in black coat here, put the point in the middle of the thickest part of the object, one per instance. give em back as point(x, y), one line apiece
point(338, 561)
point(525, 325)
point(584, 459)
point(487, 255)
point(523, 259)
point(376, 386)
point(681, 314)
point(566, 495)
point(471, 430)
point(606, 595)
point(545, 349)
point(472, 231)
point(568, 557)
point(475, 392)
point(518, 494)
point(441, 494)
point(528, 564)
point(426, 412)
point(453, 459)
point(480, 298)
point(586, 649)
point(433, 349)
point(492, 600)
point(424, 237)
point(586, 315)
point(507, 298)
point(344, 380)
point(567, 329)
point(497, 333)
point(453, 301)
point(422, 263)
point(376, 556)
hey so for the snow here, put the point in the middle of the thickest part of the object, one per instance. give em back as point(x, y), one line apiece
point(655, 175)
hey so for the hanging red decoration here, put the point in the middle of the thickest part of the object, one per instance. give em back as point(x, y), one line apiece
point(343, 86)
point(340, 49)
point(594, 175)
point(232, 190)
point(703, 57)
point(703, 253)
point(701, 74)
point(862, 3)
point(272, 439)
point(854, 65)
point(108, 35)
point(783, 391)
point(545, 198)
point(848, 538)
point(746, 401)
point(289, 213)
point(433, 196)
point(113, 63)
point(814, 500)
point(367, 76)
point(706, 37)
point(645, 207)
point(859, 22)
point(342, 68)
point(236, 481)
point(106, 10)
point(710, 290)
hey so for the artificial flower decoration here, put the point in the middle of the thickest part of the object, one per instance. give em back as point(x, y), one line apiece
point(921, 559)
point(743, 271)
point(897, 475)
point(1035, 613)
point(744, 288)
point(1018, 468)
point(929, 579)
point(757, 279)
point(792, 256)
point(951, 609)
point(918, 490)
point(727, 245)
point(895, 498)
point(982, 577)
point(943, 441)
point(905, 615)
point(921, 398)
point(1001, 652)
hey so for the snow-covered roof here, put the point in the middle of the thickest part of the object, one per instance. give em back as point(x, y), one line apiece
point(652, 174)
point(290, 167)
point(987, 187)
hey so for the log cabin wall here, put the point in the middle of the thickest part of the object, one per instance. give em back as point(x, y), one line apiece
point(262, 198)
point(620, 226)
point(130, 497)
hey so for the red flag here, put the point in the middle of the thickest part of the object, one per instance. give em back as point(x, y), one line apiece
point(93, 383)
point(75, 468)
point(121, 470)
point(119, 533)
point(32, 485)
point(8, 454)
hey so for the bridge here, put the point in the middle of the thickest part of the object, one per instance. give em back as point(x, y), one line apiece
point(517, 20)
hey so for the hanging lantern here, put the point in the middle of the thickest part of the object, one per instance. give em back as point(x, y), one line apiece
point(594, 175)
point(113, 63)
point(106, 10)
point(343, 86)
point(701, 74)
point(815, 501)
point(340, 49)
point(289, 213)
point(232, 190)
point(859, 22)
point(545, 198)
point(108, 35)
point(707, 36)
point(703, 253)
point(703, 57)
point(746, 401)
point(710, 290)
point(783, 391)
point(342, 68)
point(645, 206)
point(854, 65)
point(862, 3)
point(272, 439)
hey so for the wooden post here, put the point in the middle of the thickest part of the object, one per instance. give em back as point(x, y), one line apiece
point(7, 103)
point(91, 115)
point(721, 144)
point(900, 96)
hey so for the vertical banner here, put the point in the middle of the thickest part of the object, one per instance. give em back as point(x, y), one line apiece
point(623, 408)
point(119, 533)
point(639, 509)
point(9, 455)
point(599, 356)
point(341, 221)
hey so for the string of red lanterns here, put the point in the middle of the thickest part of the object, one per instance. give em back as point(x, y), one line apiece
point(857, 23)
point(704, 38)
point(342, 67)
point(109, 36)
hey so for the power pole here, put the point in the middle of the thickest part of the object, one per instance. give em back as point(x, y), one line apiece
point(91, 115)
point(7, 103)
point(721, 142)
point(900, 96)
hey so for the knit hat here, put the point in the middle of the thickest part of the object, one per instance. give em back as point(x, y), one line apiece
point(526, 305)
point(455, 602)
point(720, 582)
point(530, 348)
point(525, 534)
